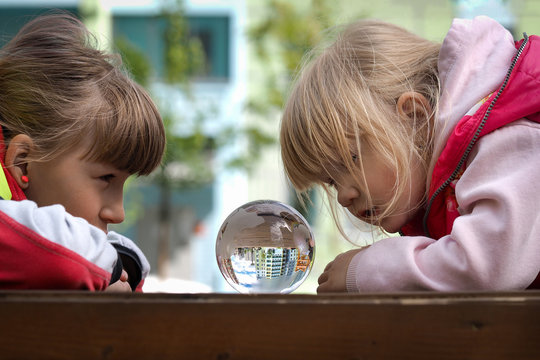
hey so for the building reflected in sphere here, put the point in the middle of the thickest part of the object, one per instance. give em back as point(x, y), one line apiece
point(265, 246)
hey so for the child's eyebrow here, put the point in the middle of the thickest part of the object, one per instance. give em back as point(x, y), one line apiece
point(102, 166)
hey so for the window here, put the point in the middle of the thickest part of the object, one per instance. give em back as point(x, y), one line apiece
point(12, 19)
point(147, 34)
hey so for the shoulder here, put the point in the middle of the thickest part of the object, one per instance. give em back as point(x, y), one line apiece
point(28, 213)
point(520, 136)
point(505, 158)
point(41, 219)
point(498, 179)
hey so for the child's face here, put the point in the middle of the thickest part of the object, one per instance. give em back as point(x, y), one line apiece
point(380, 182)
point(90, 190)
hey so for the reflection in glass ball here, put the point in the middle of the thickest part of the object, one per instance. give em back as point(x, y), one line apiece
point(265, 247)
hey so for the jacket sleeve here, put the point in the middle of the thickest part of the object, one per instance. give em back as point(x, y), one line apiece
point(47, 248)
point(494, 243)
point(133, 259)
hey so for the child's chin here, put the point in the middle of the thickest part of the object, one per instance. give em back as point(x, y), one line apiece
point(392, 226)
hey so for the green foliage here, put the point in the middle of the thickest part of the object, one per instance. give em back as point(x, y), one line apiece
point(256, 141)
point(134, 60)
point(187, 160)
point(184, 55)
point(286, 34)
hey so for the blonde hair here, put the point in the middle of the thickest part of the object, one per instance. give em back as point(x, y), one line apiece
point(61, 91)
point(347, 96)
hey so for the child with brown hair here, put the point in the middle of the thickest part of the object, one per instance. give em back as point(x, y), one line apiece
point(74, 127)
point(437, 142)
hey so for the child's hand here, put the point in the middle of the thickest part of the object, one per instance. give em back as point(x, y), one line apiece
point(333, 278)
point(121, 285)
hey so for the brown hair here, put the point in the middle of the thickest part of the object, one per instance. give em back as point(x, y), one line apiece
point(60, 90)
point(344, 101)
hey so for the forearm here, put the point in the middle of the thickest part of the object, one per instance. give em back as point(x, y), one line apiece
point(48, 248)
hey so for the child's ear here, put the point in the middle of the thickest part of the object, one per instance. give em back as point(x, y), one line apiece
point(412, 104)
point(16, 158)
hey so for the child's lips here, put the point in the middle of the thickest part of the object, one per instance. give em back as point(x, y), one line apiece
point(368, 215)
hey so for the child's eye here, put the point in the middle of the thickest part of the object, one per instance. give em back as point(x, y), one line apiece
point(107, 178)
point(331, 182)
point(354, 158)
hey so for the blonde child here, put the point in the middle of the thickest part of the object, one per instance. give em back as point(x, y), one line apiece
point(439, 142)
point(74, 127)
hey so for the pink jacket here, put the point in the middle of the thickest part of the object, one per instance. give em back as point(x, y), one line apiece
point(480, 230)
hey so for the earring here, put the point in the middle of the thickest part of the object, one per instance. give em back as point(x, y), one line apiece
point(24, 178)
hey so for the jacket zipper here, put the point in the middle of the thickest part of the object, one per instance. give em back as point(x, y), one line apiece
point(476, 135)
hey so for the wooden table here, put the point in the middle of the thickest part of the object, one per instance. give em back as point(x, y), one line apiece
point(435, 326)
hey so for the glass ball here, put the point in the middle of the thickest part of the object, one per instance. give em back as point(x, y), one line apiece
point(265, 246)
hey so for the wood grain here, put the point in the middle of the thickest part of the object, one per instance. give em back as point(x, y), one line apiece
point(435, 326)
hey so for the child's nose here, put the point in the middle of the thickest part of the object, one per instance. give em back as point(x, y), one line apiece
point(346, 195)
point(113, 212)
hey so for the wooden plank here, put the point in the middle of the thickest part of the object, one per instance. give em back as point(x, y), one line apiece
point(80, 325)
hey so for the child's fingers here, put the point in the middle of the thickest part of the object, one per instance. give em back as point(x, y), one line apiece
point(124, 276)
point(119, 286)
point(323, 278)
point(328, 266)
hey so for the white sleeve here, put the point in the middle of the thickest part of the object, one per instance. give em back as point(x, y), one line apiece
point(58, 226)
point(494, 243)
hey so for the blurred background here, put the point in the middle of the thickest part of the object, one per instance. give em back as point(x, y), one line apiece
point(219, 71)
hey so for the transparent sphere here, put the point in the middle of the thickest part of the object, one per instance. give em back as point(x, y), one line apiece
point(265, 246)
